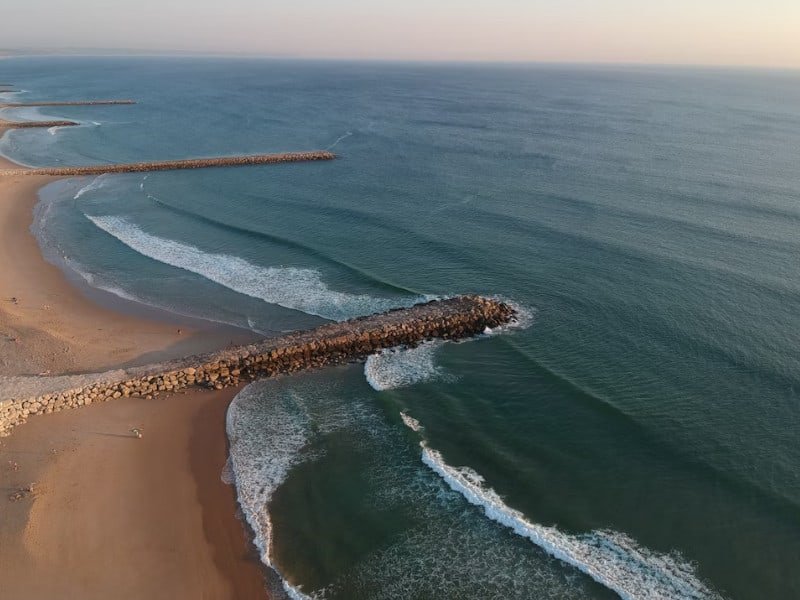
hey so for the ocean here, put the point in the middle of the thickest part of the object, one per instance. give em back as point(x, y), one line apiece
point(635, 436)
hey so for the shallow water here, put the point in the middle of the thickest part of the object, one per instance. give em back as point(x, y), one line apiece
point(643, 426)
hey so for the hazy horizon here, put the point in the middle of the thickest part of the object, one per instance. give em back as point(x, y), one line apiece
point(718, 33)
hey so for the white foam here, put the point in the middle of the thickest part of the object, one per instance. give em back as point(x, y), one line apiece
point(401, 367)
point(525, 317)
point(339, 139)
point(226, 476)
point(260, 463)
point(610, 558)
point(99, 283)
point(291, 287)
point(53, 130)
point(94, 184)
point(411, 422)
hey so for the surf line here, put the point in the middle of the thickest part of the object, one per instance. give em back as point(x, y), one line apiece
point(610, 558)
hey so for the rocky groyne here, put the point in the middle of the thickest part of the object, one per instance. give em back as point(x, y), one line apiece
point(66, 103)
point(32, 124)
point(335, 343)
point(172, 165)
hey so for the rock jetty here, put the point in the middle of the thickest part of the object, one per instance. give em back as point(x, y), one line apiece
point(172, 165)
point(31, 124)
point(67, 103)
point(335, 343)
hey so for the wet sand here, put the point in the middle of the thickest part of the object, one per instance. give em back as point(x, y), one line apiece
point(111, 516)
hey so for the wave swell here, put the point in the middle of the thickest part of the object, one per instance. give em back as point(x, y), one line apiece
point(296, 288)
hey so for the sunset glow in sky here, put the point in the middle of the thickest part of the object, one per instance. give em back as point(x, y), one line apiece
point(721, 32)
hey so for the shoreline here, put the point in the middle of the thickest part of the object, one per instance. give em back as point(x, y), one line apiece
point(184, 512)
point(49, 326)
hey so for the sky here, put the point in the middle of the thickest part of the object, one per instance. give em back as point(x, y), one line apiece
point(706, 32)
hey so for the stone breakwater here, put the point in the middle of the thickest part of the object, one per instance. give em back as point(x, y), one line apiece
point(66, 103)
point(335, 343)
point(31, 124)
point(172, 165)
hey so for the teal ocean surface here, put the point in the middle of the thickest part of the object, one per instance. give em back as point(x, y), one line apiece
point(636, 436)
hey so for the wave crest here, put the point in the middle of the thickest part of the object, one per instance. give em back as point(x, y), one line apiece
point(296, 288)
point(610, 558)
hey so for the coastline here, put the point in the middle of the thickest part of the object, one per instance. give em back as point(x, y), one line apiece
point(53, 327)
point(92, 477)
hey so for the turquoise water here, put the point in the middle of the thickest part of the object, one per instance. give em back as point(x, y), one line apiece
point(637, 436)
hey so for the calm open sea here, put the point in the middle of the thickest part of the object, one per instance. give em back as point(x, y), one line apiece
point(637, 436)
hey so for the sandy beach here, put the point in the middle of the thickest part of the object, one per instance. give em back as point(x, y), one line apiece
point(114, 516)
point(111, 515)
point(49, 326)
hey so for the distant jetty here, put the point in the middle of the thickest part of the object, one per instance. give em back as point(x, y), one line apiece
point(68, 103)
point(336, 343)
point(173, 165)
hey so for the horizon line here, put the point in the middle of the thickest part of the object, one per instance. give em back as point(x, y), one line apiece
point(177, 53)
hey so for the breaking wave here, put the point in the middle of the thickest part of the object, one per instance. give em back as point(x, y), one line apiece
point(259, 463)
point(401, 367)
point(610, 558)
point(95, 184)
point(411, 422)
point(296, 288)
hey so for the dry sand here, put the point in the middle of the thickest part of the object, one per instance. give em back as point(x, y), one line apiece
point(112, 516)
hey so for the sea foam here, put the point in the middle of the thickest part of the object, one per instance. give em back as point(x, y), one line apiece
point(401, 367)
point(95, 184)
point(258, 464)
point(610, 558)
point(270, 426)
point(296, 288)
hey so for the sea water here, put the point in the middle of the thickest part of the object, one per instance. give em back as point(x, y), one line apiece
point(636, 438)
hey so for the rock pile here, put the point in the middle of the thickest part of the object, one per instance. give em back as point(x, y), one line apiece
point(172, 165)
point(336, 343)
point(30, 124)
point(68, 103)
